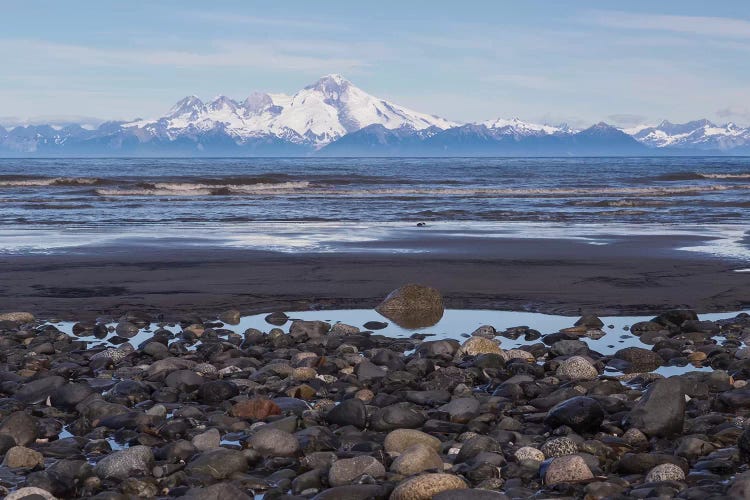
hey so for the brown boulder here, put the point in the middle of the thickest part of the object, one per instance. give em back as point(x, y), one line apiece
point(413, 306)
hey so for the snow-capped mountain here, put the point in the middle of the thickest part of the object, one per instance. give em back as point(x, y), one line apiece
point(518, 128)
point(699, 134)
point(316, 115)
point(334, 117)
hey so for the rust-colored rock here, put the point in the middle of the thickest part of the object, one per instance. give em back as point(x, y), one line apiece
point(256, 409)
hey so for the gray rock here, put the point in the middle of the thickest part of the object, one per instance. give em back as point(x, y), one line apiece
point(126, 329)
point(581, 413)
point(661, 410)
point(21, 426)
point(349, 412)
point(219, 463)
point(301, 330)
point(37, 391)
point(271, 442)
point(135, 461)
point(207, 440)
point(461, 410)
point(398, 416)
point(349, 470)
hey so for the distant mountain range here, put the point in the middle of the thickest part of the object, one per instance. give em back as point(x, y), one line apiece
point(332, 117)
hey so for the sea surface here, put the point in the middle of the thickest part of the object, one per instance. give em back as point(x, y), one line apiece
point(304, 203)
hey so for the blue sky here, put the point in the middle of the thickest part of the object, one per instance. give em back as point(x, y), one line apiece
point(575, 61)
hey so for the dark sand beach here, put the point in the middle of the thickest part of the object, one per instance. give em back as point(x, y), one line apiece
point(629, 275)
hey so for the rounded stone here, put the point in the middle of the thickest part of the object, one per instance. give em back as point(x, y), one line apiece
point(17, 317)
point(559, 447)
point(400, 439)
point(256, 409)
point(581, 413)
point(567, 469)
point(635, 438)
point(576, 368)
point(304, 373)
point(425, 486)
point(413, 306)
point(480, 345)
point(665, 472)
point(30, 492)
point(349, 470)
point(519, 354)
point(417, 458)
point(22, 457)
point(126, 463)
point(218, 463)
point(271, 442)
point(529, 453)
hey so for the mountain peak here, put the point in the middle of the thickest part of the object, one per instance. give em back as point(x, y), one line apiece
point(189, 105)
point(331, 84)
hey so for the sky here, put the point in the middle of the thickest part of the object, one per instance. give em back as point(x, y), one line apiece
point(577, 62)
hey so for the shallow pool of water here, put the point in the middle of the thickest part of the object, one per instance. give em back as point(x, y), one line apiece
point(455, 324)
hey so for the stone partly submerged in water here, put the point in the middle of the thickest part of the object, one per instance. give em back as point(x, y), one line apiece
point(413, 306)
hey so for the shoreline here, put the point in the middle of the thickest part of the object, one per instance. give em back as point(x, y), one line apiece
point(642, 274)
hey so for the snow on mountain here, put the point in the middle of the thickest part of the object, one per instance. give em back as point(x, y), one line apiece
point(519, 128)
point(316, 115)
point(698, 134)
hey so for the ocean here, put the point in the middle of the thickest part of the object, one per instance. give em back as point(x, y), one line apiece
point(46, 202)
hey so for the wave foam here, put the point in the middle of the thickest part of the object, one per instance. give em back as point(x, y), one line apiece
point(191, 189)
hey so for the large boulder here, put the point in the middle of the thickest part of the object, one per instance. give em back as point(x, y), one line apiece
point(661, 410)
point(413, 306)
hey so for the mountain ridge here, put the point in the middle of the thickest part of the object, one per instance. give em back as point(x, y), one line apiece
point(332, 117)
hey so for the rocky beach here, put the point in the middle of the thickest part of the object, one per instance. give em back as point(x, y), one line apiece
point(197, 408)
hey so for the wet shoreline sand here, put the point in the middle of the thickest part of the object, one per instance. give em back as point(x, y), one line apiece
point(642, 274)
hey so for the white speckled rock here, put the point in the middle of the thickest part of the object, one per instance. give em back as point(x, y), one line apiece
point(17, 317)
point(576, 368)
point(519, 354)
point(425, 486)
point(480, 345)
point(529, 453)
point(559, 447)
point(635, 438)
point(665, 472)
point(567, 469)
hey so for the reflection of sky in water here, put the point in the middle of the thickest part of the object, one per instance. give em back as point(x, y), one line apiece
point(457, 324)
point(720, 240)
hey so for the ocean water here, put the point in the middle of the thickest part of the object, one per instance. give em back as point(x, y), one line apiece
point(305, 203)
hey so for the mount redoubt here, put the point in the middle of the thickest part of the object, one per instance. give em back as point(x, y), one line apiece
point(332, 117)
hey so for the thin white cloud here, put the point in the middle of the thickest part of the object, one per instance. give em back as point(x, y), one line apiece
point(523, 81)
point(719, 27)
point(221, 54)
point(227, 18)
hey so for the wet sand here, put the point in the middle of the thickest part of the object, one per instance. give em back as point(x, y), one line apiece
point(630, 275)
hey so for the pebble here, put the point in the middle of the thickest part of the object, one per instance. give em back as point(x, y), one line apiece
point(567, 469)
point(330, 411)
point(426, 486)
point(577, 368)
point(665, 472)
